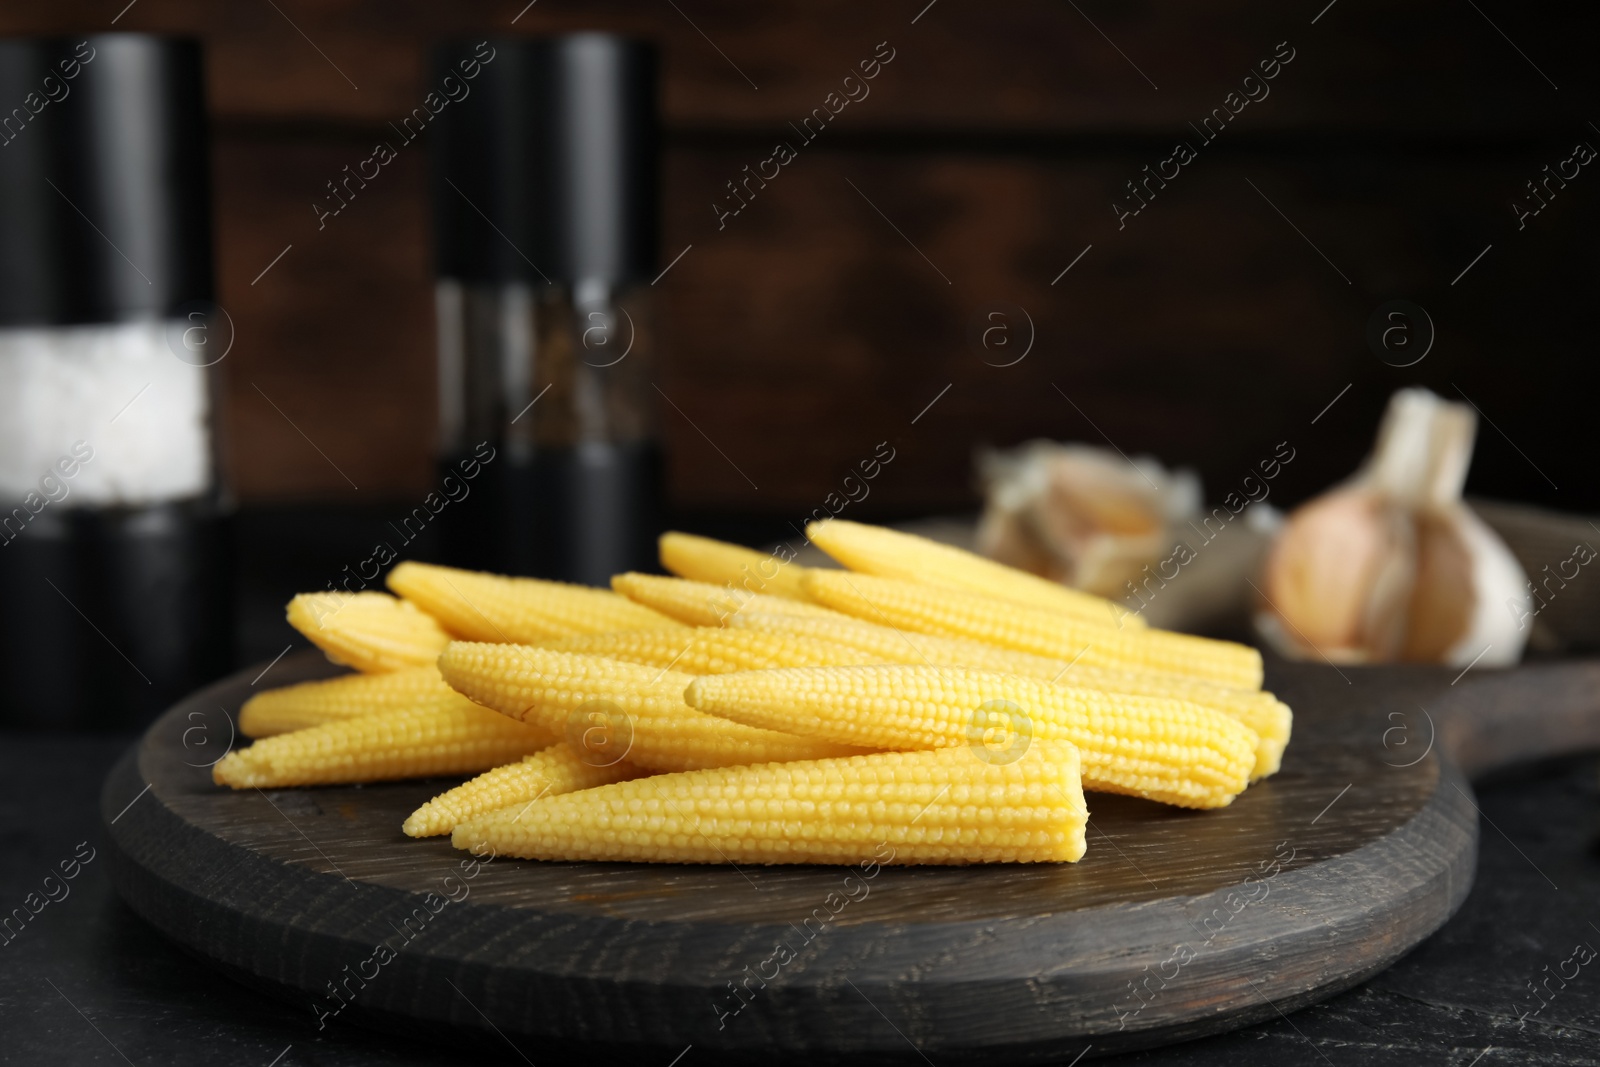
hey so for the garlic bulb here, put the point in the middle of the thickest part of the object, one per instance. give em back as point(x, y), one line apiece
point(1080, 515)
point(1392, 565)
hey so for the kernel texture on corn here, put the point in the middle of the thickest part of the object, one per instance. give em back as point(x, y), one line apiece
point(460, 738)
point(954, 613)
point(295, 707)
point(633, 712)
point(701, 559)
point(1264, 713)
point(945, 806)
point(491, 607)
point(369, 631)
point(704, 603)
point(894, 554)
point(549, 772)
point(1152, 747)
point(708, 650)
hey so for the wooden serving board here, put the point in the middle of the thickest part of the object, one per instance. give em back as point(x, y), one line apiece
point(1176, 924)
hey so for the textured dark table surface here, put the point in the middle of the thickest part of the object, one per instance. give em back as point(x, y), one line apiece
point(86, 982)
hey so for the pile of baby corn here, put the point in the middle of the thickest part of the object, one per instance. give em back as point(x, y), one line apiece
point(755, 711)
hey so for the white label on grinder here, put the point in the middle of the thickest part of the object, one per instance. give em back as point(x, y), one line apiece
point(119, 388)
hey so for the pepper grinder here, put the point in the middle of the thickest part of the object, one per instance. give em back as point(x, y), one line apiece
point(546, 217)
point(113, 517)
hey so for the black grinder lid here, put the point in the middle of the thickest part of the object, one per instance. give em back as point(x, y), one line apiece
point(105, 210)
point(547, 169)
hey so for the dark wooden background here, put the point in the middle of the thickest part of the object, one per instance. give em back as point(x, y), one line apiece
point(809, 329)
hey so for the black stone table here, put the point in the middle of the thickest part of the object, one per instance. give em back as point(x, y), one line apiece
point(87, 982)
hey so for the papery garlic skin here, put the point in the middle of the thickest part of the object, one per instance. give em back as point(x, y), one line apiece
point(1392, 565)
point(1503, 601)
point(1081, 515)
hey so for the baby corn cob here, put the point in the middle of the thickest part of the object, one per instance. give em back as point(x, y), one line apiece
point(605, 705)
point(1166, 750)
point(295, 707)
point(701, 559)
point(557, 769)
point(460, 738)
point(946, 806)
point(491, 607)
point(708, 650)
point(1264, 713)
point(953, 613)
point(703, 603)
point(892, 554)
point(370, 631)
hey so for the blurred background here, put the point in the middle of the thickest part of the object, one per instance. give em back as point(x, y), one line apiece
point(853, 299)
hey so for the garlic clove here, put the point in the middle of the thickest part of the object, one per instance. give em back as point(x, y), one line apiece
point(1443, 599)
point(1501, 599)
point(1337, 577)
point(1388, 598)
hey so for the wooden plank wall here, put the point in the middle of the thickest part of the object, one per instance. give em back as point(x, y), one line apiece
point(833, 309)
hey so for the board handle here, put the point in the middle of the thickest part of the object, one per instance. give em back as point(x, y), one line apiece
point(1494, 719)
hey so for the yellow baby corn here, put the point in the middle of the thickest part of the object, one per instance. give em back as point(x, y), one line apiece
point(1264, 713)
point(948, 806)
point(954, 613)
point(557, 769)
point(893, 554)
point(369, 631)
point(886, 644)
point(708, 650)
point(701, 559)
point(350, 696)
point(491, 607)
point(619, 710)
point(1166, 750)
point(704, 603)
point(461, 738)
